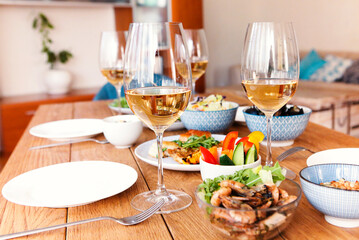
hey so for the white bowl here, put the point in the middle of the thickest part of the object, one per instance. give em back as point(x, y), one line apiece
point(122, 130)
point(211, 171)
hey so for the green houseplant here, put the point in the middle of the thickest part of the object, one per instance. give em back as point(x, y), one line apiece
point(56, 81)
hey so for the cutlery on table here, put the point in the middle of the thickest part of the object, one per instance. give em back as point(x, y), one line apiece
point(69, 142)
point(132, 220)
point(292, 151)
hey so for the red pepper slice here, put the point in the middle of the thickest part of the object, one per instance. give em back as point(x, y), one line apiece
point(243, 139)
point(207, 156)
point(247, 145)
point(229, 141)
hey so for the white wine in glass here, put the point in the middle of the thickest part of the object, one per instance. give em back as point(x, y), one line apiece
point(270, 69)
point(112, 52)
point(198, 53)
point(158, 93)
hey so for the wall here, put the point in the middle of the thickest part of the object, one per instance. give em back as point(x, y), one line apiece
point(77, 29)
point(328, 25)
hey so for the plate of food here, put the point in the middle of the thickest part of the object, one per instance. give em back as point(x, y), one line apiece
point(181, 152)
point(69, 129)
point(115, 106)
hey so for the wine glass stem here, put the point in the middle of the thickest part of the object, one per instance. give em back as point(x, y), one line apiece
point(161, 189)
point(193, 89)
point(119, 93)
point(269, 161)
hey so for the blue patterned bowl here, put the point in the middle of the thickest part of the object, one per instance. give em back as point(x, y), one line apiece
point(340, 207)
point(213, 121)
point(284, 128)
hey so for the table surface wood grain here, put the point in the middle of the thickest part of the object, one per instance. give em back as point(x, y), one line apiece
point(308, 223)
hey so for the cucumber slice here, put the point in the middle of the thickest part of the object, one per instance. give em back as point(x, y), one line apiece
point(251, 155)
point(225, 160)
point(238, 154)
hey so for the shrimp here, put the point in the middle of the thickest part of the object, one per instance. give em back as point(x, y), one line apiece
point(244, 217)
point(238, 187)
point(223, 191)
point(286, 200)
point(283, 193)
point(267, 224)
point(273, 189)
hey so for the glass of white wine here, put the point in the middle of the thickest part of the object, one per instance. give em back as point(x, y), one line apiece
point(158, 92)
point(112, 52)
point(198, 53)
point(270, 69)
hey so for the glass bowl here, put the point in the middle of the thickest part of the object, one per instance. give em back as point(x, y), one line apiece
point(251, 224)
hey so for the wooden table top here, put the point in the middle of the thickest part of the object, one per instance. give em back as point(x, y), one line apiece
point(316, 95)
point(308, 223)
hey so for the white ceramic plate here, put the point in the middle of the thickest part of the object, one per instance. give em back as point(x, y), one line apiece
point(239, 115)
point(121, 110)
point(177, 125)
point(69, 184)
point(338, 155)
point(70, 129)
point(168, 163)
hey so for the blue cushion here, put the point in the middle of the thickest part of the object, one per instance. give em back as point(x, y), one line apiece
point(309, 64)
point(108, 91)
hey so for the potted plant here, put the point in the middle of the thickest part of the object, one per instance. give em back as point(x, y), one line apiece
point(57, 81)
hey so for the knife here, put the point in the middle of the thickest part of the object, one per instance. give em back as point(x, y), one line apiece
point(68, 142)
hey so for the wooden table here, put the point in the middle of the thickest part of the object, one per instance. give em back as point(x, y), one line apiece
point(334, 105)
point(187, 224)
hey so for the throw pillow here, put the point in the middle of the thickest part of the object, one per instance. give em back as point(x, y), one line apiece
point(333, 69)
point(309, 64)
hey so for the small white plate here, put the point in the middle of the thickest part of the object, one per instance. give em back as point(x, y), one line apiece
point(168, 163)
point(239, 115)
point(70, 129)
point(338, 155)
point(69, 184)
point(121, 110)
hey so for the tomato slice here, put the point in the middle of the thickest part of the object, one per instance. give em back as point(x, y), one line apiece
point(247, 145)
point(207, 156)
point(229, 141)
point(243, 140)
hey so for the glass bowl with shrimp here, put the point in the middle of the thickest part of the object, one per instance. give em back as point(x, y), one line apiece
point(257, 212)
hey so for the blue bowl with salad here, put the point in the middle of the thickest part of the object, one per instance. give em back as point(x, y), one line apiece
point(213, 114)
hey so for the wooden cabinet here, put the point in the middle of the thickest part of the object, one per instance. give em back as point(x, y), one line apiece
point(16, 112)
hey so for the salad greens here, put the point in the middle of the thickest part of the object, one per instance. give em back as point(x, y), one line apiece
point(210, 103)
point(196, 141)
point(116, 103)
point(250, 177)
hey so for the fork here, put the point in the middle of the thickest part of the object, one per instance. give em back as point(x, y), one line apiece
point(69, 142)
point(132, 220)
point(291, 151)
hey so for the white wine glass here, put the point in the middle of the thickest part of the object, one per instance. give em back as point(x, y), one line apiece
point(198, 53)
point(270, 69)
point(112, 52)
point(157, 76)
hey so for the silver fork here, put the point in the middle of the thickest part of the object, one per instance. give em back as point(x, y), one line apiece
point(132, 220)
point(69, 142)
point(291, 151)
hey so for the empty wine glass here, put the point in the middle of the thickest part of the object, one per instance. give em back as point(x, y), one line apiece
point(112, 52)
point(198, 53)
point(270, 69)
point(157, 75)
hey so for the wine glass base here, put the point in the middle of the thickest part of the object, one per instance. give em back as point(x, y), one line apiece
point(175, 201)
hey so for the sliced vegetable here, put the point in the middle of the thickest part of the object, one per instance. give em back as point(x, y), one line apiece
point(225, 160)
point(238, 154)
point(214, 152)
point(256, 137)
point(228, 152)
point(229, 141)
point(247, 145)
point(207, 156)
point(243, 139)
point(251, 155)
